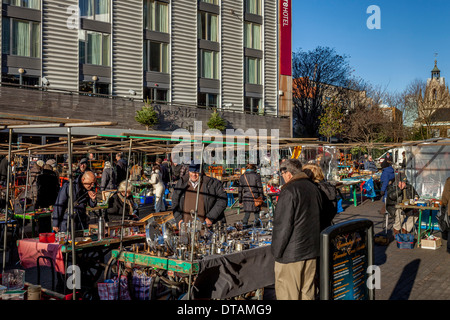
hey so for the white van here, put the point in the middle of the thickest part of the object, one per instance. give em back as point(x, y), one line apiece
point(397, 156)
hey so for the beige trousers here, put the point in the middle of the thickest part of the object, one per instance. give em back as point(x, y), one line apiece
point(295, 281)
point(404, 221)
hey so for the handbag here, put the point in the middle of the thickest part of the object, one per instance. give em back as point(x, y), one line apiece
point(258, 201)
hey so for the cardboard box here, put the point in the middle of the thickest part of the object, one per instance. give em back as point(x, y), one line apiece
point(431, 244)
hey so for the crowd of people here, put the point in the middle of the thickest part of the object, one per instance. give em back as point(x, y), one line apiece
point(307, 205)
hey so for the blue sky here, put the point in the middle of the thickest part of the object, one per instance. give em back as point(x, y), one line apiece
point(412, 31)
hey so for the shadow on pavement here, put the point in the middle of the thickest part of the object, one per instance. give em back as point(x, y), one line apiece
point(405, 283)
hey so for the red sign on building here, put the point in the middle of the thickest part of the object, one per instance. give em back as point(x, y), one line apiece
point(285, 38)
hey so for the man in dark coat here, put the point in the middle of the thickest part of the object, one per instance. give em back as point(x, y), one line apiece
point(212, 198)
point(47, 188)
point(387, 174)
point(47, 184)
point(250, 188)
point(3, 170)
point(296, 234)
point(121, 168)
point(83, 196)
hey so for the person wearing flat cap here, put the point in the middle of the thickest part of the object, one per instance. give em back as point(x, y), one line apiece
point(83, 166)
point(398, 191)
point(212, 200)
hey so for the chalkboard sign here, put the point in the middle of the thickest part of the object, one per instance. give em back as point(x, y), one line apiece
point(346, 254)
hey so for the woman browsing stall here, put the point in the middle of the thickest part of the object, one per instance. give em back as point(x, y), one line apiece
point(116, 204)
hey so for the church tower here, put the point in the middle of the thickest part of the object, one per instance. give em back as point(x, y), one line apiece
point(436, 91)
point(435, 73)
point(434, 105)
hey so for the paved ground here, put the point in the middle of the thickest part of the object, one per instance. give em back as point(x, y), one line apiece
point(406, 274)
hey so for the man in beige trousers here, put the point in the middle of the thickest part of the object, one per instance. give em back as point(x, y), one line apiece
point(296, 234)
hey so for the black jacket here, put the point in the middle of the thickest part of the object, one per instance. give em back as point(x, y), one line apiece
point(329, 203)
point(121, 171)
point(115, 208)
point(3, 169)
point(215, 198)
point(47, 189)
point(394, 195)
point(81, 201)
point(108, 180)
point(296, 223)
point(245, 196)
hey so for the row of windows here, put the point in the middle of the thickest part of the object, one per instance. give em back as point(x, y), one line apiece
point(156, 17)
point(100, 9)
point(21, 38)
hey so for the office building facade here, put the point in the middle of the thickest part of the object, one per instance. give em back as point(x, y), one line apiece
point(205, 53)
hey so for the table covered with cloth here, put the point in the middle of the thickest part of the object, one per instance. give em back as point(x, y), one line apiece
point(30, 249)
point(230, 275)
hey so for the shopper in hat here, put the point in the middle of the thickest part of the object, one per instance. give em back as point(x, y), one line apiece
point(212, 200)
point(397, 192)
point(82, 168)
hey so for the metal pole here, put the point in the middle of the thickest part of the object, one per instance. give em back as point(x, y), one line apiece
point(123, 213)
point(8, 172)
point(195, 221)
point(125, 200)
point(71, 215)
point(26, 192)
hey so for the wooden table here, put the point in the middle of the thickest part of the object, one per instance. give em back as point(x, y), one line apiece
point(420, 208)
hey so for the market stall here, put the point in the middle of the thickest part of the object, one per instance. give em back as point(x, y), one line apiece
point(41, 122)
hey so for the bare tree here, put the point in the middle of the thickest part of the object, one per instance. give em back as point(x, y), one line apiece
point(316, 73)
point(367, 122)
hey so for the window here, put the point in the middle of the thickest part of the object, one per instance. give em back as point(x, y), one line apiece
point(253, 6)
point(253, 70)
point(252, 105)
point(26, 80)
point(21, 38)
point(448, 133)
point(209, 64)
point(207, 99)
point(94, 48)
point(95, 10)
point(216, 2)
point(156, 56)
point(31, 4)
point(155, 95)
point(207, 26)
point(156, 16)
point(100, 88)
point(252, 35)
